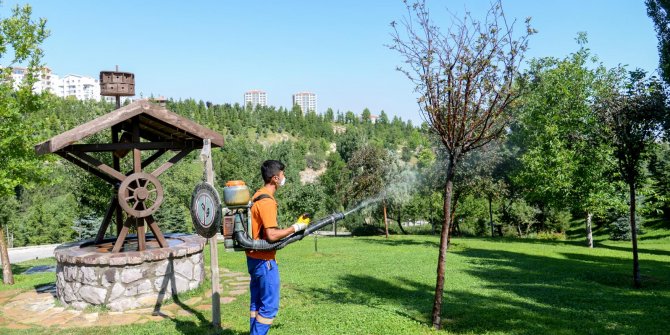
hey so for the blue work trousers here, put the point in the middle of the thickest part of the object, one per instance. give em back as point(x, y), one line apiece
point(264, 287)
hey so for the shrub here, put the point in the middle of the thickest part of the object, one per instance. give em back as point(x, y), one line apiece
point(620, 228)
point(558, 220)
point(551, 236)
point(368, 230)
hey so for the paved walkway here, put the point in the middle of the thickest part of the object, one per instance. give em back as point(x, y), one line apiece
point(21, 254)
point(39, 307)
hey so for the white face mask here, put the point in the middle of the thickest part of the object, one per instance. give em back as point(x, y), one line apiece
point(282, 182)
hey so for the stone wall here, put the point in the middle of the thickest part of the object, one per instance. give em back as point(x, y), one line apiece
point(128, 280)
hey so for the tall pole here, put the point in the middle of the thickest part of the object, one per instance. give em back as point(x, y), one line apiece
point(206, 156)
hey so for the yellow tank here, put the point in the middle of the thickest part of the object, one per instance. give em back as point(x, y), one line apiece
point(236, 193)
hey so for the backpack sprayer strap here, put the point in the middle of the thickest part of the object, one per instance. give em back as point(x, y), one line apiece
point(261, 232)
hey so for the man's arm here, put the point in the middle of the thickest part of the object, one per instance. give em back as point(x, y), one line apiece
point(275, 234)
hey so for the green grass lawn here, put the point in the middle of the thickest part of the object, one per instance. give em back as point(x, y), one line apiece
point(493, 286)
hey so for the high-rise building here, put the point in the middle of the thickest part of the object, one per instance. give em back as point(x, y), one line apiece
point(255, 98)
point(305, 100)
point(80, 87)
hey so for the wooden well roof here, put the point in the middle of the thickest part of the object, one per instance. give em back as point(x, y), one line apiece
point(157, 124)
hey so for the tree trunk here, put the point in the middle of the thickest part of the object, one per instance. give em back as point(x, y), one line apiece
point(386, 222)
point(400, 221)
point(444, 237)
point(7, 276)
point(589, 233)
point(491, 215)
point(633, 231)
point(453, 217)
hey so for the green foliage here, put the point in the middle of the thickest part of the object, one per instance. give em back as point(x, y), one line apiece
point(333, 182)
point(369, 169)
point(659, 11)
point(620, 228)
point(634, 110)
point(521, 215)
point(21, 37)
point(472, 216)
point(564, 159)
point(557, 221)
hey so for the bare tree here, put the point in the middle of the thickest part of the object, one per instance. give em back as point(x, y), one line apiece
point(466, 83)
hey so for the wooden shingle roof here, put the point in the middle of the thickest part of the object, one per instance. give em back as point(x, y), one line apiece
point(156, 124)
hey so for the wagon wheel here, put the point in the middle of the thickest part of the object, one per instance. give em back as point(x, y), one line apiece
point(140, 194)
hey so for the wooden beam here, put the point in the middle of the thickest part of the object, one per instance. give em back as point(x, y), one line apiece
point(105, 222)
point(157, 232)
point(137, 154)
point(102, 147)
point(116, 164)
point(90, 169)
point(152, 158)
point(100, 165)
point(184, 124)
point(141, 238)
point(119, 220)
point(171, 162)
point(122, 235)
point(92, 127)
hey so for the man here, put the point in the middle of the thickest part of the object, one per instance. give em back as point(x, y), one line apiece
point(264, 285)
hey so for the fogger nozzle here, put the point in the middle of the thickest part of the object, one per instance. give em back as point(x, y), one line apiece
point(247, 243)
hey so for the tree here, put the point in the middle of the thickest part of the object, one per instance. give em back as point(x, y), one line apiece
point(659, 11)
point(465, 80)
point(634, 115)
point(369, 168)
point(565, 159)
point(22, 36)
point(383, 118)
point(329, 116)
point(365, 116)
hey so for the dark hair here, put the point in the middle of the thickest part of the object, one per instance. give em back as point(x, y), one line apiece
point(270, 168)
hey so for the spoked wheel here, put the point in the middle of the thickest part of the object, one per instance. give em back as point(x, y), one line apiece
point(140, 194)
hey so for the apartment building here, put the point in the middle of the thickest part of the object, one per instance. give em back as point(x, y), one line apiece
point(44, 79)
point(305, 100)
point(71, 85)
point(255, 98)
point(80, 87)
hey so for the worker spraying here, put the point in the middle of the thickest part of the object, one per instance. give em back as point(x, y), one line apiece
point(252, 226)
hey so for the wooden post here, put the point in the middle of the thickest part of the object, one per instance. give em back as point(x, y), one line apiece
point(206, 156)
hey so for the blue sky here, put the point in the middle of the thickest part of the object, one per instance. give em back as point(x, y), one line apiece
point(216, 50)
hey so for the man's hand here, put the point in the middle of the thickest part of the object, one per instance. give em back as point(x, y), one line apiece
point(303, 222)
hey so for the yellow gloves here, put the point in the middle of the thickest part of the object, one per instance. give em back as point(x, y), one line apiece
point(303, 222)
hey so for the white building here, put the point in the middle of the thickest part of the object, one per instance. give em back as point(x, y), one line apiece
point(72, 85)
point(80, 87)
point(44, 80)
point(255, 98)
point(305, 100)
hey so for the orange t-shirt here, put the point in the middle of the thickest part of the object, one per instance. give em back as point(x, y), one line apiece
point(263, 216)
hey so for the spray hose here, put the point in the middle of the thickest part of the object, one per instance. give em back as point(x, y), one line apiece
point(240, 235)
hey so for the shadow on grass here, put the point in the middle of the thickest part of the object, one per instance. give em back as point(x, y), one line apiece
point(654, 237)
point(19, 268)
point(403, 242)
point(597, 244)
point(524, 294)
point(186, 326)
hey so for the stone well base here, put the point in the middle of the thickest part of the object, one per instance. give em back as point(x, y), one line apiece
point(88, 274)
